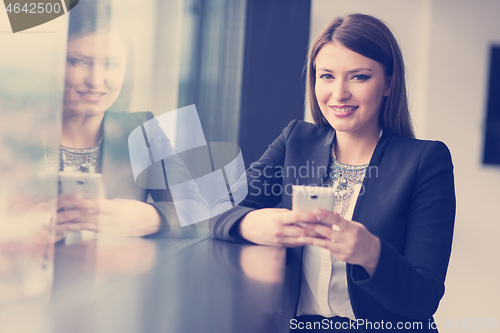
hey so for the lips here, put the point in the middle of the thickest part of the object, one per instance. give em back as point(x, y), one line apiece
point(343, 110)
point(90, 96)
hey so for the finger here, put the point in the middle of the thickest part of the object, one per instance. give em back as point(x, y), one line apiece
point(332, 218)
point(74, 215)
point(68, 215)
point(294, 217)
point(291, 242)
point(297, 231)
point(92, 204)
point(90, 218)
point(326, 231)
point(76, 227)
point(67, 201)
point(84, 222)
point(320, 242)
point(95, 205)
point(311, 233)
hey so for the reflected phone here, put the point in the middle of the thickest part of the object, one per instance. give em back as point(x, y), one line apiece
point(87, 185)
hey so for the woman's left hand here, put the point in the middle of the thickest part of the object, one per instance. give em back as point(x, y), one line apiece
point(353, 243)
point(119, 216)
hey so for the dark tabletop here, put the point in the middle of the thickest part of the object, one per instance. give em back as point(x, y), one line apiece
point(182, 282)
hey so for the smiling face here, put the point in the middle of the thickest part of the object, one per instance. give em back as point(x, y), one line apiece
point(95, 71)
point(349, 89)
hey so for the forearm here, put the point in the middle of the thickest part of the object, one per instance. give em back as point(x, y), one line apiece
point(226, 226)
point(151, 221)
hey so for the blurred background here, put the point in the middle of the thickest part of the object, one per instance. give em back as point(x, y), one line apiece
point(242, 63)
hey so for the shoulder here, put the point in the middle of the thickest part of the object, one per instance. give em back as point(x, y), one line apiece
point(304, 130)
point(418, 151)
point(417, 145)
point(414, 143)
point(118, 125)
point(127, 121)
point(140, 116)
point(301, 125)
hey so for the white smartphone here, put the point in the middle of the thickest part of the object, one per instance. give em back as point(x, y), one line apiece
point(308, 198)
point(87, 185)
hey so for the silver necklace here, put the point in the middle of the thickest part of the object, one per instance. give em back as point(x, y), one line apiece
point(82, 159)
point(346, 177)
point(75, 159)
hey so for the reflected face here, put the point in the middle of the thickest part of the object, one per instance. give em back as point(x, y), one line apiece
point(349, 89)
point(95, 71)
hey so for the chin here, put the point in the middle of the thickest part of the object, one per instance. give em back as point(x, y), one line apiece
point(339, 126)
point(92, 112)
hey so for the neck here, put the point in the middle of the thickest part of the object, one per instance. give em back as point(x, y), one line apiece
point(81, 131)
point(355, 149)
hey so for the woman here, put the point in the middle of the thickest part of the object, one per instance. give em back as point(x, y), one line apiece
point(383, 257)
point(95, 140)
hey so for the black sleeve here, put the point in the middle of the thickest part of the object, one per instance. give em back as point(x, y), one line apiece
point(255, 187)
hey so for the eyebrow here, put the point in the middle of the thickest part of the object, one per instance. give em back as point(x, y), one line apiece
point(78, 54)
point(351, 71)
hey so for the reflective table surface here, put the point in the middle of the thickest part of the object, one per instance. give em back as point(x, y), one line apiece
point(184, 282)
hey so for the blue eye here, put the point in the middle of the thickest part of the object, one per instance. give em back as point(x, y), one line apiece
point(326, 76)
point(361, 77)
point(112, 64)
point(77, 62)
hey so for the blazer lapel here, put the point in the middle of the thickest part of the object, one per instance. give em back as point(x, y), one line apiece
point(116, 170)
point(316, 161)
point(364, 205)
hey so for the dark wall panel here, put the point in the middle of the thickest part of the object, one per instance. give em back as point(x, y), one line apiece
point(277, 36)
point(492, 136)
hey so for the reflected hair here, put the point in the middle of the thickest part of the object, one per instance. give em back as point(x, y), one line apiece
point(371, 38)
point(89, 17)
point(94, 16)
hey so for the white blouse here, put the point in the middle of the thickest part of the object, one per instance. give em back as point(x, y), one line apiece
point(324, 281)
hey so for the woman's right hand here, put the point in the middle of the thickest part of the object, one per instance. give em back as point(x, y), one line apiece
point(276, 227)
point(70, 218)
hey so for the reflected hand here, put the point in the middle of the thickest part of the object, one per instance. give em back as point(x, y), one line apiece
point(276, 227)
point(353, 243)
point(119, 216)
point(70, 218)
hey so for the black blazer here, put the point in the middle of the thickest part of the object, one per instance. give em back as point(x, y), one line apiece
point(407, 201)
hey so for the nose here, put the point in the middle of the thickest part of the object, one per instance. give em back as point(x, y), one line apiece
point(341, 91)
point(96, 76)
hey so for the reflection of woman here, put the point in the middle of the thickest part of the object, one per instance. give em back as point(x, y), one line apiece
point(93, 140)
point(395, 201)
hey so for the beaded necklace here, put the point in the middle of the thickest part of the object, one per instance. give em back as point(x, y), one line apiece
point(346, 177)
point(75, 159)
